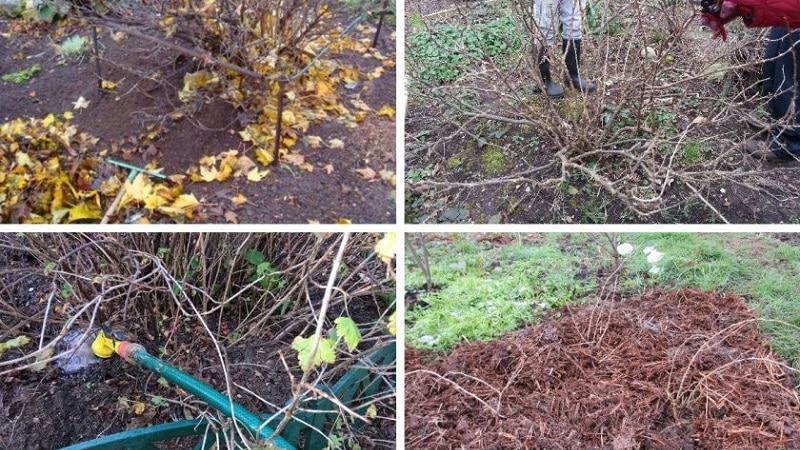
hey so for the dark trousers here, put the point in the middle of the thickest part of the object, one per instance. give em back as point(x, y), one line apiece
point(782, 72)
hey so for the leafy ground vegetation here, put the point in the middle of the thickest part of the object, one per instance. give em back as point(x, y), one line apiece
point(660, 141)
point(193, 91)
point(602, 341)
point(234, 310)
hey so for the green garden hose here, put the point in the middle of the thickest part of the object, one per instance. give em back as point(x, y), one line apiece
point(135, 352)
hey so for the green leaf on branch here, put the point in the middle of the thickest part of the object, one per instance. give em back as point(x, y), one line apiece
point(16, 342)
point(304, 346)
point(254, 257)
point(348, 330)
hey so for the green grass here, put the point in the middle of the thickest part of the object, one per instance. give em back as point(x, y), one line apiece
point(21, 76)
point(486, 290)
point(489, 291)
point(443, 52)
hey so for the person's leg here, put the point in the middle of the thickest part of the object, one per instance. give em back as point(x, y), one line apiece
point(544, 12)
point(782, 78)
point(572, 36)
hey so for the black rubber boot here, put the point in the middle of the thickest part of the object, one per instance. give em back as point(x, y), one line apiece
point(572, 58)
point(550, 87)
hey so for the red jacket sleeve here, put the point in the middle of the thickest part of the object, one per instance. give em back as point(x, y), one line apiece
point(771, 13)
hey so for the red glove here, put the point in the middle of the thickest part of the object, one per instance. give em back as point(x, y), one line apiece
point(727, 12)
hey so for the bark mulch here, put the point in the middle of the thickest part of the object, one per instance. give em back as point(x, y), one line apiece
point(668, 370)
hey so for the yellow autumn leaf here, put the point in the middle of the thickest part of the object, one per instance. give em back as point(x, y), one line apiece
point(386, 247)
point(226, 171)
point(307, 167)
point(323, 88)
point(138, 408)
point(367, 173)
point(49, 120)
point(185, 201)
point(392, 325)
point(264, 156)
point(288, 118)
point(336, 143)
point(238, 199)
point(343, 221)
point(349, 75)
point(155, 201)
point(208, 160)
point(68, 115)
point(245, 135)
point(312, 141)
point(108, 85)
point(84, 211)
point(182, 205)
point(208, 173)
point(137, 190)
point(375, 73)
point(387, 111)
point(360, 104)
point(255, 175)
point(388, 175)
point(328, 168)
point(192, 82)
point(23, 159)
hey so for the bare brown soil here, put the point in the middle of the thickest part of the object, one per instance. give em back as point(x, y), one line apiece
point(667, 370)
point(146, 102)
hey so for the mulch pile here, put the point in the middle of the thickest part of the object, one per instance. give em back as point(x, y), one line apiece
point(668, 370)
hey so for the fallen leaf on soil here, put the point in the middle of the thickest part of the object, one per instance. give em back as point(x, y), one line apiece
point(255, 175)
point(244, 164)
point(388, 175)
point(312, 141)
point(295, 158)
point(231, 216)
point(367, 173)
point(238, 199)
point(336, 143)
point(289, 118)
point(138, 408)
point(358, 103)
point(328, 168)
point(137, 190)
point(108, 85)
point(349, 74)
point(264, 156)
point(183, 205)
point(193, 82)
point(81, 103)
point(387, 111)
point(84, 211)
point(343, 221)
point(375, 73)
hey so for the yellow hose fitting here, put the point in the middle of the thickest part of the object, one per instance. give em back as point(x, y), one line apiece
point(104, 346)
